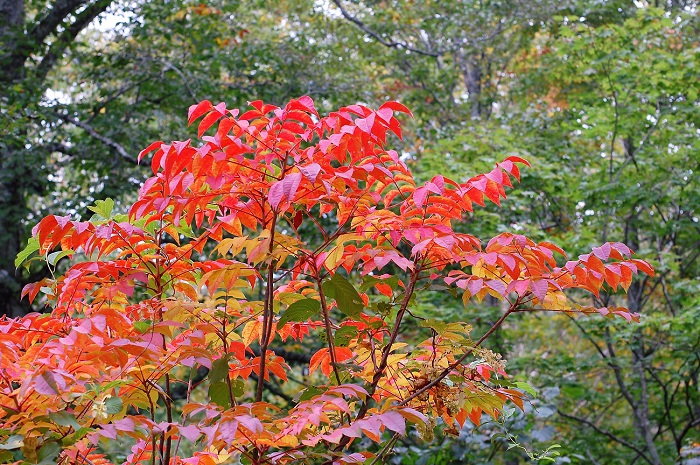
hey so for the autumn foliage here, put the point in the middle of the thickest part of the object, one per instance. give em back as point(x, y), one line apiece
point(281, 227)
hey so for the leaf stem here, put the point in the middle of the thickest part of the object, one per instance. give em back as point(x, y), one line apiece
point(457, 362)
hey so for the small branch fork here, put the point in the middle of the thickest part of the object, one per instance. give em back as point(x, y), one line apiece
point(381, 368)
point(444, 373)
point(111, 143)
point(608, 434)
point(387, 43)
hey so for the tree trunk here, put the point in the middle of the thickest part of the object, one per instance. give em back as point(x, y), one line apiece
point(471, 74)
point(22, 84)
point(12, 203)
point(640, 408)
point(11, 35)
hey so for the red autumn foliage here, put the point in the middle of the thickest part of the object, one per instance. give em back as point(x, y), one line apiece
point(258, 235)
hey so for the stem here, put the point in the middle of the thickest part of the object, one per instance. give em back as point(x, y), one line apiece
point(265, 341)
point(169, 415)
point(385, 352)
point(224, 337)
point(457, 362)
point(329, 330)
point(268, 314)
point(153, 452)
point(165, 445)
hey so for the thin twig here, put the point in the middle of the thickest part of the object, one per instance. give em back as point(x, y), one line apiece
point(116, 146)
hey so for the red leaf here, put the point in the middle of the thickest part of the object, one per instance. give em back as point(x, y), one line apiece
point(291, 184)
point(317, 359)
point(365, 124)
point(303, 103)
point(396, 106)
point(45, 384)
point(191, 432)
point(198, 110)
point(274, 197)
point(644, 266)
point(207, 122)
point(298, 218)
point(394, 421)
point(311, 171)
point(539, 288)
point(419, 196)
point(602, 252)
point(252, 424)
point(517, 159)
point(475, 285)
point(497, 285)
point(150, 148)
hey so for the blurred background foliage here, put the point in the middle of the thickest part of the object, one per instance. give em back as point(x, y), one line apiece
point(601, 97)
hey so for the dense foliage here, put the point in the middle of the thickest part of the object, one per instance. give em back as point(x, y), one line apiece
point(144, 307)
point(601, 98)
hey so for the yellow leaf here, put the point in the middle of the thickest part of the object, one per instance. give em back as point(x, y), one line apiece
point(556, 301)
point(251, 332)
point(287, 441)
point(343, 238)
point(334, 257)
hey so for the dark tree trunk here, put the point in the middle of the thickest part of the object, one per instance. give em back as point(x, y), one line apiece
point(11, 40)
point(640, 408)
point(12, 204)
point(471, 74)
point(22, 84)
point(13, 209)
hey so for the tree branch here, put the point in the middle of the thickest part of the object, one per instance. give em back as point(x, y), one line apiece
point(610, 435)
point(117, 147)
point(52, 18)
point(445, 373)
point(391, 43)
point(68, 35)
point(185, 80)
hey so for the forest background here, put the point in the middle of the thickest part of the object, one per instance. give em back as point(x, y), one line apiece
point(600, 96)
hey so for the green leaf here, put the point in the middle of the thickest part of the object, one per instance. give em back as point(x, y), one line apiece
point(345, 295)
point(75, 437)
point(369, 281)
point(301, 310)
point(64, 419)
point(219, 394)
point(344, 335)
point(525, 387)
point(54, 257)
point(48, 453)
point(103, 208)
point(237, 387)
point(219, 370)
point(47, 290)
point(113, 405)
point(32, 246)
point(142, 326)
point(309, 393)
point(436, 325)
point(186, 230)
point(13, 442)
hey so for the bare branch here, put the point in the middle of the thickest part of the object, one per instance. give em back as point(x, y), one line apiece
point(52, 18)
point(607, 433)
point(169, 65)
point(68, 35)
point(118, 93)
point(391, 43)
point(116, 146)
